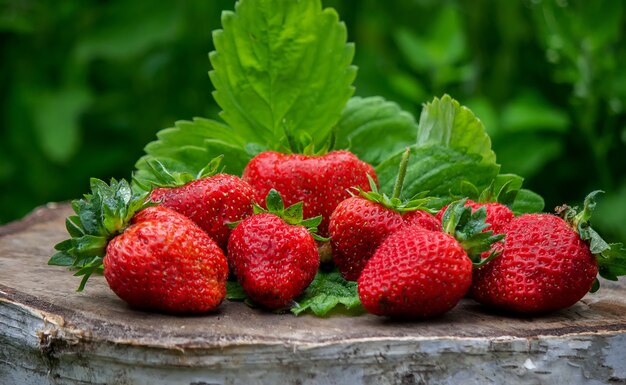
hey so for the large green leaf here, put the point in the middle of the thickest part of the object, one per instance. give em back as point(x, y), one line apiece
point(374, 128)
point(437, 169)
point(281, 65)
point(190, 146)
point(445, 122)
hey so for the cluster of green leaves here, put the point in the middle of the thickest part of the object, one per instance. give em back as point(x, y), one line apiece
point(99, 216)
point(543, 76)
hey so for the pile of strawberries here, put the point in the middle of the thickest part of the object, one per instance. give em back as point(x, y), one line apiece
point(174, 249)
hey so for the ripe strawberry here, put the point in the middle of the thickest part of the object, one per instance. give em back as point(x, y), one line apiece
point(211, 201)
point(418, 273)
point(547, 263)
point(164, 261)
point(154, 258)
point(422, 219)
point(415, 273)
point(273, 255)
point(320, 182)
point(359, 224)
point(357, 228)
point(498, 214)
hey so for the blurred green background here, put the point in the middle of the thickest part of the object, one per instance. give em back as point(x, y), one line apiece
point(86, 84)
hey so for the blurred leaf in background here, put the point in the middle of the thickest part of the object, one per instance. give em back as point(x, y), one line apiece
point(85, 85)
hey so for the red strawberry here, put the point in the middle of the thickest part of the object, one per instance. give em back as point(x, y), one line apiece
point(161, 261)
point(359, 224)
point(547, 263)
point(273, 255)
point(498, 215)
point(422, 219)
point(320, 182)
point(417, 273)
point(212, 201)
point(357, 228)
point(164, 261)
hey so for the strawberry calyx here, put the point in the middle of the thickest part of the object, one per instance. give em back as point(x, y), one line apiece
point(169, 178)
point(503, 189)
point(292, 215)
point(611, 257)
point(468, 228)
point(305, 145)
point(417, 202)
point(100, 216)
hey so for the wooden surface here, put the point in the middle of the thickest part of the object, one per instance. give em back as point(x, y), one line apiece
point(50, 334)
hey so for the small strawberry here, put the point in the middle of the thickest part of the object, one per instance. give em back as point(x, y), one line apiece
point(548, 263)
point(498, 214)
point(273, 254)
point(154, 258)
point(319, 181)
point(417, 273)
point(210, 200)
point(359, 224)
point(496, 199)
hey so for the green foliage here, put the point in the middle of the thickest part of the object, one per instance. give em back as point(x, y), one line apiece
point(281, 67)
point(99, 216)
point(85, 85)
point(374, 128)
point(190, 146)
point(328, 290)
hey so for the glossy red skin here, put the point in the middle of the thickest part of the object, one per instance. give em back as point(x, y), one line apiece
point(544, 266)
point(211, 202)
point(358, 226)
point(165, 262)
point(498, 215)
point(273, 261)
point(320, 182)
point(415, 273)
point(422, 219)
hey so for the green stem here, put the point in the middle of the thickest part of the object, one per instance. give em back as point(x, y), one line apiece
point(404, 162)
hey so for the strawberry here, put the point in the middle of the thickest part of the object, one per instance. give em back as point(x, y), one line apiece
point(547, 263)
point(154, 258)
point(418, 273)
point(319, 181)
point(423, 219)
point(359, 224)
point(273, 254)
point(210, 200)
point(498, 214)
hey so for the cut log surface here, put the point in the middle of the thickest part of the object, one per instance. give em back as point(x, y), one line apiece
point(51, 334)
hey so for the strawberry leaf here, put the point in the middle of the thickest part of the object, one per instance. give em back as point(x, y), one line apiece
point(327, 291)
point(282, 66)
point(612, 262)
point(436, 169)
point(188, 148)
point(453, 158)
point(445, 122)
point(235, 292)
point(527, 201)
point(374, 129)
